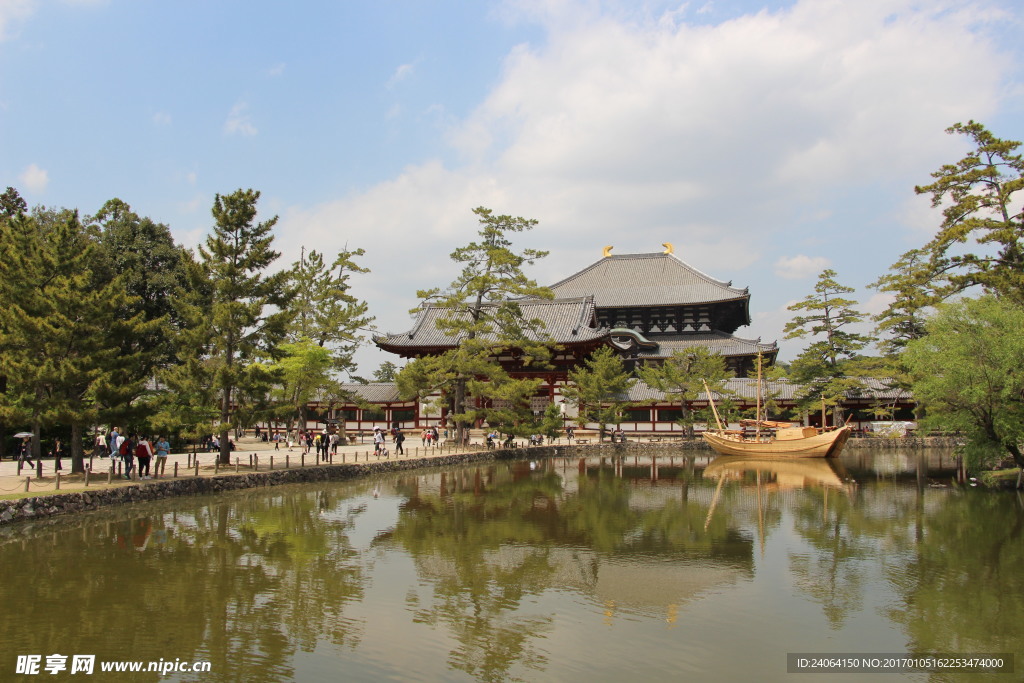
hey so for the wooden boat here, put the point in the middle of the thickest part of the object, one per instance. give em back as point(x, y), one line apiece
point(791, 442)
point(774, 439)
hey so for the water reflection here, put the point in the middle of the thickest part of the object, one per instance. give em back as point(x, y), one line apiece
point(569, 569)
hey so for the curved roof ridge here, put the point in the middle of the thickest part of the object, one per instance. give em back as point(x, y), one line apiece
point(644, 280)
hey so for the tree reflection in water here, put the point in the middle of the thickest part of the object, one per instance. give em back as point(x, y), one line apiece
point(508, 561)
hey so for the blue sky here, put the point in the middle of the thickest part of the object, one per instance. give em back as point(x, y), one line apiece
point(765, 140)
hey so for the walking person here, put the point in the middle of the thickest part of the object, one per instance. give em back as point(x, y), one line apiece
point(378, 439)
point(58, 453)
point(163, 449)
point(399, 440)
point(115, 442)
point(127, 452)
point(25, 453)
point(144, 454)
point(99, 448)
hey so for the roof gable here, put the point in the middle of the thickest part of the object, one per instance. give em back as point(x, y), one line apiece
point(566, 321)
point(656, 279)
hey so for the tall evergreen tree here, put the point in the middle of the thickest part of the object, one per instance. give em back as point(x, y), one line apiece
point(600, 389)
point(144, 255)
point(235, 315)
point(680, 378)
point(822, 365)
point(327, 327)
point(979, 241)
point(60, 328)
point(481, 314)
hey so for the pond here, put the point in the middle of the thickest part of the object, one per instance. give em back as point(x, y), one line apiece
point(649, 567)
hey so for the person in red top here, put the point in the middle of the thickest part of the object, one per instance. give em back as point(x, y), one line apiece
point(144, 453)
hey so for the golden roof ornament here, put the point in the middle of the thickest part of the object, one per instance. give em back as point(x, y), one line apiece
point(669, 249)
point(607, 251)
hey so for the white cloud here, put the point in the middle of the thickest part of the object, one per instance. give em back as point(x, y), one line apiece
point(34, 179)
point(239, 122)
point(162, 118)
point(12, 13)
point(403, 72)
point(800, 266)
point(741, 142)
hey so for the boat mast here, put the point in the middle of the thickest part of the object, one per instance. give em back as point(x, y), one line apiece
point(711, 402)
point(757, 410)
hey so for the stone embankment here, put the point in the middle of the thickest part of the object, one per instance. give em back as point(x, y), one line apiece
point(68, 503)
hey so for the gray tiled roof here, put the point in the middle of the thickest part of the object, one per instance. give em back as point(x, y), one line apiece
point(717, 342)
point(375, 392)
point(780, 390)
point(567, 321)
point(646, 280)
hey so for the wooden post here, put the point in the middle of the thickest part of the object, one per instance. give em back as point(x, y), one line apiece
point(87, 471)
point(110, 473)
point(287, 460)
point(302, 460)
point(216, 465)
point(28, 481)
point(195, 463)
point(236, 464)
point(58, 481)
point(175, 470)
point(271, 462)
point(189, 463)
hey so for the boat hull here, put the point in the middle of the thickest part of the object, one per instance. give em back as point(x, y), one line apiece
point(823, 445)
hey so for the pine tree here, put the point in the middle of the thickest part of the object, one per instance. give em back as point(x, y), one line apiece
point(600, 389)
point(61, 329)
point(235, 317)
point(681, 378)
point(822, 365)
point(326, 329)
point(483, 318)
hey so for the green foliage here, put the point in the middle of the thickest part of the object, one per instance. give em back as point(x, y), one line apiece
point(386, 372)
point(976, 194)
point(600, 389)
point(61, 327)
point(482, 316)
point(235, 316)
point(150, 265)
point(681, 378)
point(324, 307)
point(978, 242)
point(966, 371)
point(11, 203)
point(325, 315)
point(823, 367)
